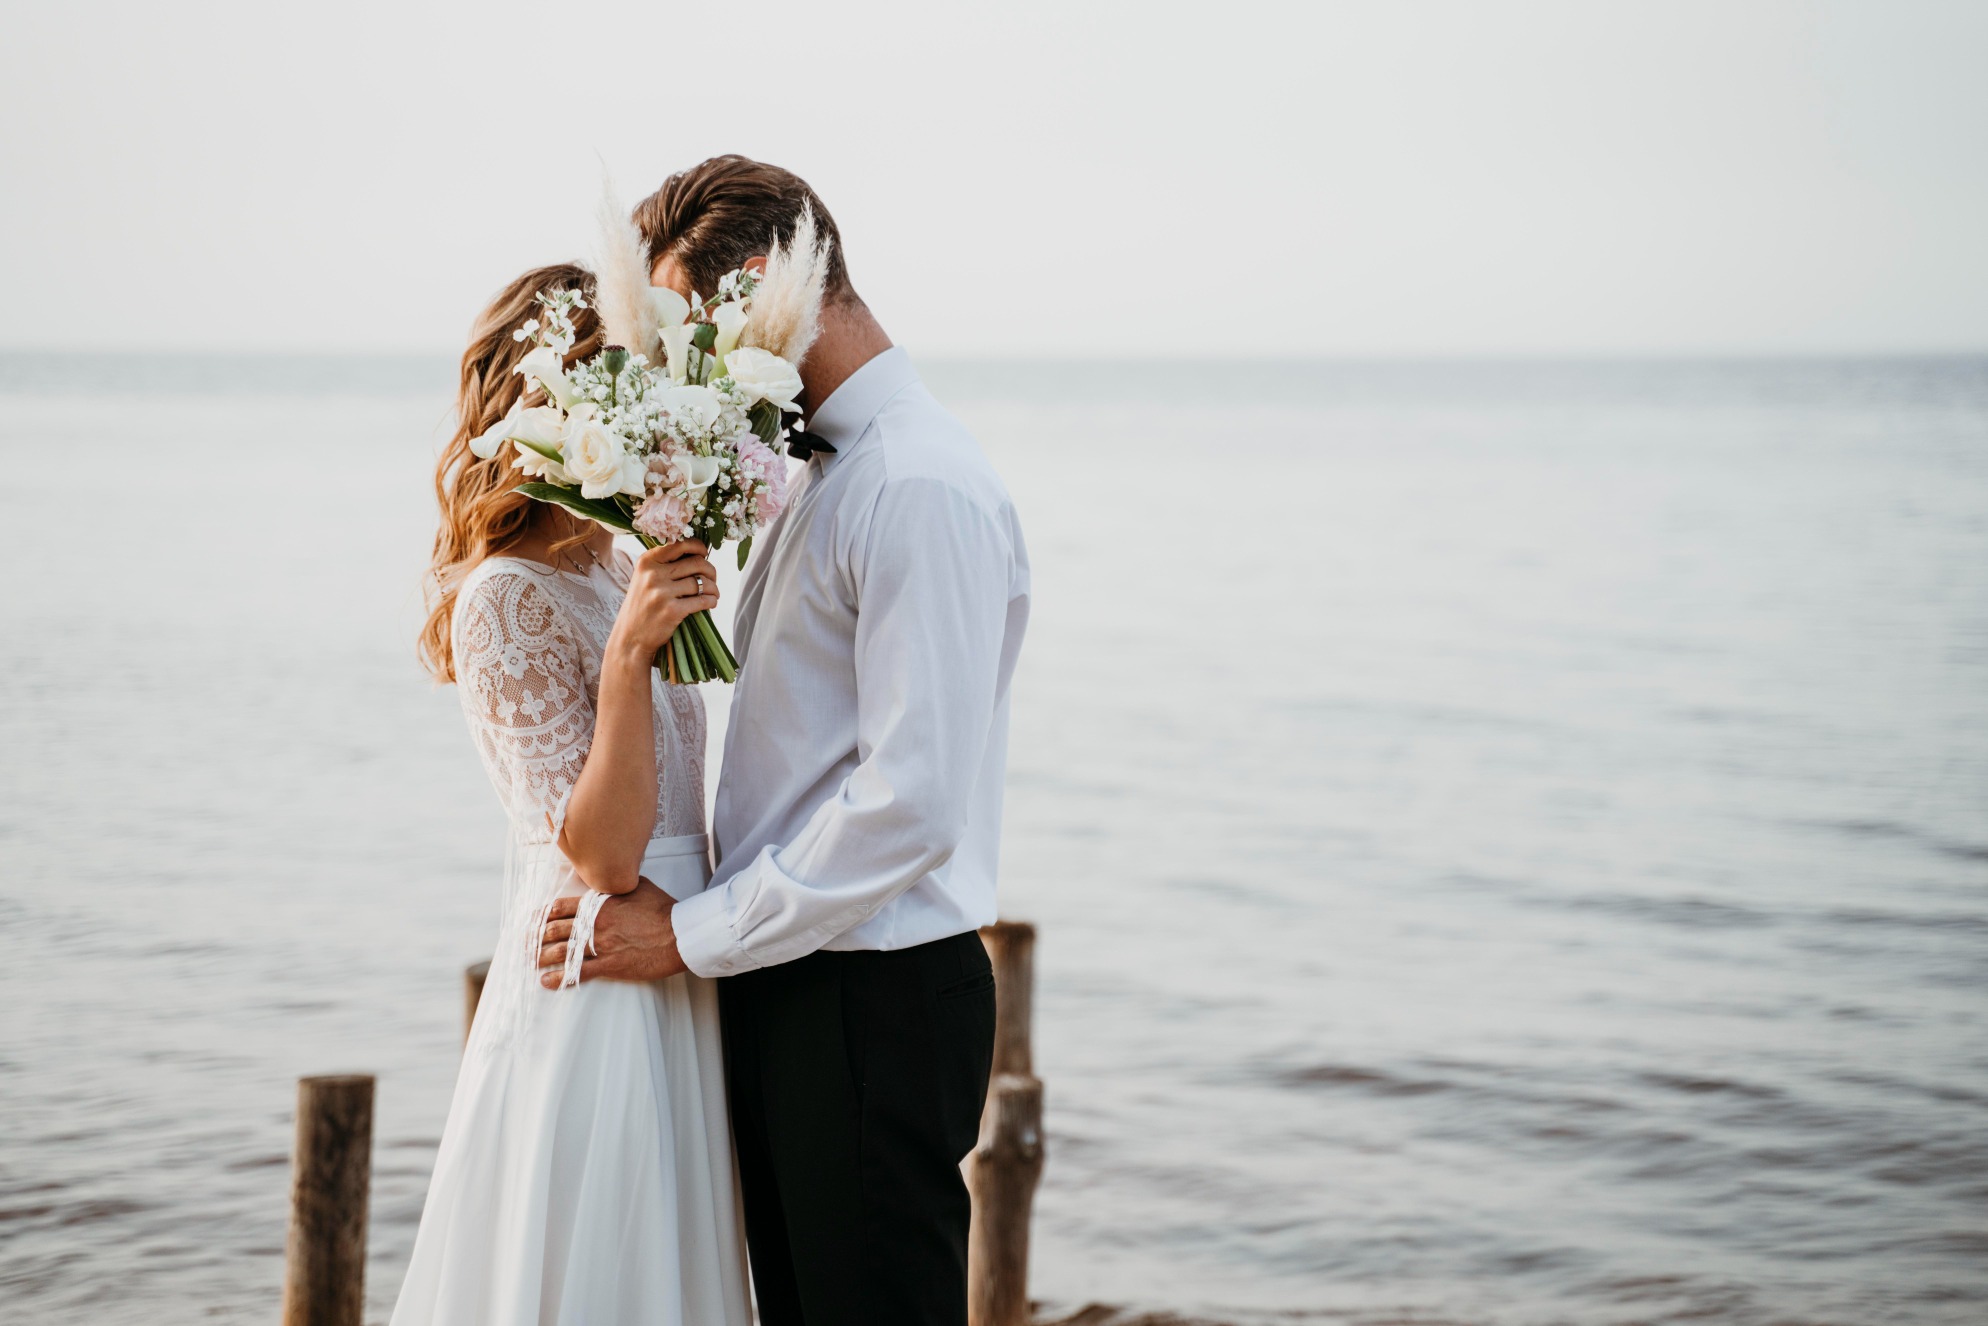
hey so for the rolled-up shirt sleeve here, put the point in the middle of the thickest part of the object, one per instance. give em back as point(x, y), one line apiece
point(934, 577)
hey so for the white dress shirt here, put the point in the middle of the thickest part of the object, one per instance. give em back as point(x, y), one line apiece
point(878, 627)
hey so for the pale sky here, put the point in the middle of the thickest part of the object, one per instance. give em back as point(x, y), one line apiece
point(1049, 179)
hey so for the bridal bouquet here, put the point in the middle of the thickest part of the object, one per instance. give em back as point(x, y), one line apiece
point(673, 431)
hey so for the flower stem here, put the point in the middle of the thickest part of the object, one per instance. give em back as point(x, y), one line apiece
point(722, 662)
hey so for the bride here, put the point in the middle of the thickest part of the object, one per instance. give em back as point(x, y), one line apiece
point(585, 1174)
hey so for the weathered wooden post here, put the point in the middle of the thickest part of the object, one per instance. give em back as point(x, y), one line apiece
point(1011, 947)
point(1007, 1163)
point(1006, 1166)
point(472, 993)
point(330, 1175)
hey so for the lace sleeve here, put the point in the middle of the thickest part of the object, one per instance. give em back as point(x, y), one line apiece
point(521, 666)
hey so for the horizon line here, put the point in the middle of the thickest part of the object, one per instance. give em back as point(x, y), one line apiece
point(1071, 360)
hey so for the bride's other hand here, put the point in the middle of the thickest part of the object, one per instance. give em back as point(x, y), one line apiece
point(634, 939)
point(670, 583)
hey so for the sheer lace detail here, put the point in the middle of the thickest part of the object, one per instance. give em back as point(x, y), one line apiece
point(528, 644)
point(522, 669)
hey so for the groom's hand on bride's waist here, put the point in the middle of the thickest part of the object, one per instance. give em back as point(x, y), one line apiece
point(633, 939)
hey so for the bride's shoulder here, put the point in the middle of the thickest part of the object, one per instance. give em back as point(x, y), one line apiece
point(504, 587)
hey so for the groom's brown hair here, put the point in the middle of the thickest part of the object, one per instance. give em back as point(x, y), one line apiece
point(719, 213)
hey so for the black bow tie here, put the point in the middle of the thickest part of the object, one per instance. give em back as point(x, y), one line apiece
point(803, 445)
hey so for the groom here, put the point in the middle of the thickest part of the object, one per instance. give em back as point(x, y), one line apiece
point(859, 812)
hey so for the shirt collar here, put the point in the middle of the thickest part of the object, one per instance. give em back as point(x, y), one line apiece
point(845, 416)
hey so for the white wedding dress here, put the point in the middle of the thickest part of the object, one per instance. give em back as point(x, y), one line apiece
point(585, 1176)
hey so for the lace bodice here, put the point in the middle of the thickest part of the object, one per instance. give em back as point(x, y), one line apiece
point(528, 647)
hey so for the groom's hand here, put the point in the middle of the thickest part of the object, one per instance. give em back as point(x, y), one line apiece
point(633, 937)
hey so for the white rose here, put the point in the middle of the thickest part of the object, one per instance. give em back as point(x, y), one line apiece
point(544, 366)
point(693, 407)
point(543, 426)
point(600, 461)
point(764, 376)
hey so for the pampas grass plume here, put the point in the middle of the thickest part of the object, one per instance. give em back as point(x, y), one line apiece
point(622, 294)
point(786, 308)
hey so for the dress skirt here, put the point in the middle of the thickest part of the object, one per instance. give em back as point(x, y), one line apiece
point(585, 1175)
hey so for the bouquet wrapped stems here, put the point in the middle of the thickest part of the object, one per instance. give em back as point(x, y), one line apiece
point(695, 652)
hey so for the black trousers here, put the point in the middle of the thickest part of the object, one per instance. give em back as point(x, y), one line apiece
point(856, 1083)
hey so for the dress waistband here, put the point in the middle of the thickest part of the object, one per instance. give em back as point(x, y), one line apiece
point(679, 865)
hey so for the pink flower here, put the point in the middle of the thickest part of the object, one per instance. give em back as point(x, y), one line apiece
point(663, 516)
point(758, 458)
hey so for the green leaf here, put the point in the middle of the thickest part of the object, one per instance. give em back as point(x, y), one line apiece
point(765, 419)
point(605, 513)
point(745, 549)
point(543, 449)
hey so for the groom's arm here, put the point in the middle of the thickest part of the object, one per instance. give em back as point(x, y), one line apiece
point(934, 582)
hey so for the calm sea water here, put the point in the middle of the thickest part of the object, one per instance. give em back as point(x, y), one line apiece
point(1510, 841)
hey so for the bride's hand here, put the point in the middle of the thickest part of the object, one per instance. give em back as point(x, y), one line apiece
point(669, 584)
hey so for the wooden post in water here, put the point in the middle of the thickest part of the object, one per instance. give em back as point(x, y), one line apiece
point(1011, 946)
point(325, 1284)
point(472, 993)
point(1007, 1163)
point(1006, 1166)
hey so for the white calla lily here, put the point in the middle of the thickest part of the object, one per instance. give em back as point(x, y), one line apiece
point(487, 443)
point(730, 320)
point(676, 349)
point(694, 406)
point(698, 472)
point(545, 367)
point(671, 308)
point(539, 466)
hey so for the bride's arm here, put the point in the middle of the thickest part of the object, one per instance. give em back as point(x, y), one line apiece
point(612, 811)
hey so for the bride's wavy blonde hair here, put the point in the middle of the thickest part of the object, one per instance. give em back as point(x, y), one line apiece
point(482, 512)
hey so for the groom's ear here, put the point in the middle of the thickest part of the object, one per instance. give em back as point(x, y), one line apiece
point(669, 274)
point(757, 266)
